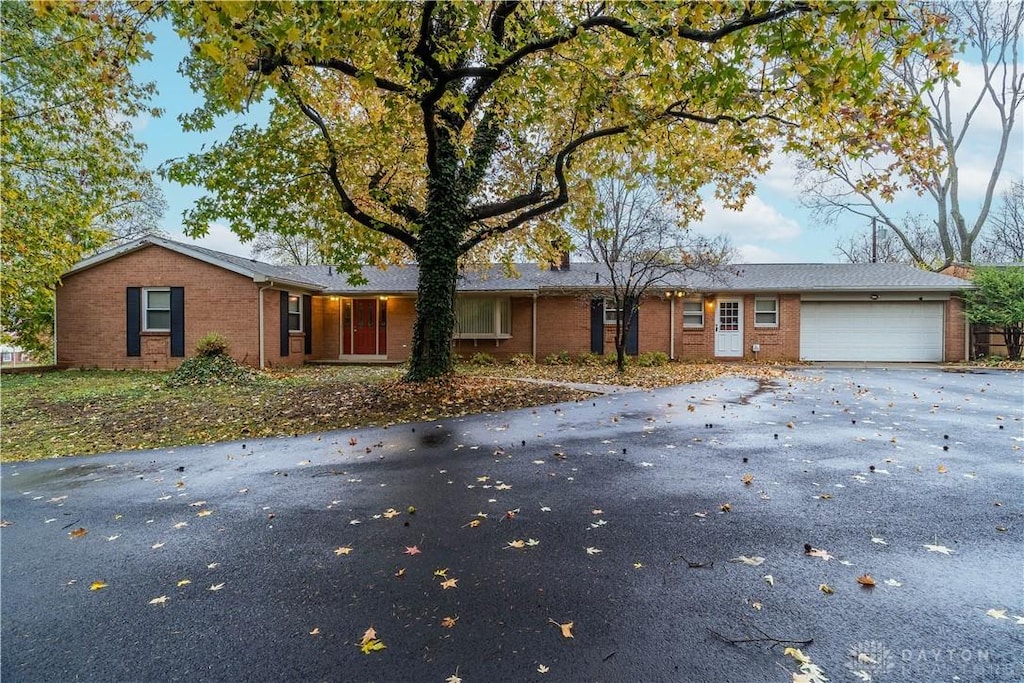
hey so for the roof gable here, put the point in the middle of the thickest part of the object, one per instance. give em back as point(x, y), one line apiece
point(251, 268)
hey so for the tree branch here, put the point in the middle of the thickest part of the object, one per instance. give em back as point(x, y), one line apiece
point(347, 205)
point(555, 202)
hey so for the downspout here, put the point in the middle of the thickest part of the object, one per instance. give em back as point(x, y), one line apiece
point(262, 340)
point(672, 328)
point(55, 326)
point(533, 329)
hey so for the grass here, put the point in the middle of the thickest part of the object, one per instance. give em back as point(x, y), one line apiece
point(79, 412)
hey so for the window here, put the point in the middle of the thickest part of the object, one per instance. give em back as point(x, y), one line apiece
point(8, 357)
point(766, 312)
point(156, 309)
point(611, 312)
point(294, 313)
point(483, 318)
point(693, 313)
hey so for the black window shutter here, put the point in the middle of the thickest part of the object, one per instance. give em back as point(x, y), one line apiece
point(633, 334)
point(597, 326)
point(284, 323)
point(133, 306)
point(307, 322)
point(177, 322)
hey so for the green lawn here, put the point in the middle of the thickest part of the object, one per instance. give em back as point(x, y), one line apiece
point(77, 412)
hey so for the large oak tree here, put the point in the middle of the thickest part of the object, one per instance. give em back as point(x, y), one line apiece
point(448, 132)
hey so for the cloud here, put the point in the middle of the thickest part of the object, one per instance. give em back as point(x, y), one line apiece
point(219, 238)
point(758, 220)
point(752, 253)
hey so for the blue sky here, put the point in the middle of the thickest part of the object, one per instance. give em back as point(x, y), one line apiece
point(772, 228)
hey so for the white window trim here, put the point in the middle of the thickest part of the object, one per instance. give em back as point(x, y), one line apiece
point(297, 297)
point(609, 307)
point(496, 323)
point(146, 308)
point(773, 299)
point(700, 302)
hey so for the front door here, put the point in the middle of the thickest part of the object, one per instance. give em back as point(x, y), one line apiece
point(729, 328)
point(364, 326)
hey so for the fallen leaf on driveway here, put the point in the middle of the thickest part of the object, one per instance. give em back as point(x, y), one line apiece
point(826, 589)
point(893, 582)
point(342, 550)
point(412, 550)
point(938, 549)
point(215, 587)
point(542, 669)
point(391, 512)
point(449, 622)
point(594, 551)
point(879, 541)
point(450, 583)
point(315, 631)
point(566, 628)
point(184, 582)
point(371, 634)
point(866, 580)
point(769, 579)
point(997, 614)
point(751, 561)
point(518, 544)
point(818, 552)
point(99, 585)
point(77, 533)
point(159, 601)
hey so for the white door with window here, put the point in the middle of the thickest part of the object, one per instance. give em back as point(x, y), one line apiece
point(729, 328)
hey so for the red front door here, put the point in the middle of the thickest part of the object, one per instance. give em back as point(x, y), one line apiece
point(364, 326)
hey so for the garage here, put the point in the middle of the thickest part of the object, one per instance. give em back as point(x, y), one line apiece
point(871, 331)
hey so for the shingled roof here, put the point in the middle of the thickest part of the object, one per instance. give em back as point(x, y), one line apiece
point(401, 279)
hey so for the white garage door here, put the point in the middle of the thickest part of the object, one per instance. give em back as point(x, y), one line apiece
point(873, 331)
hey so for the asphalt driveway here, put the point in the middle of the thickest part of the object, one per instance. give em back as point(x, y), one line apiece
point(659, 524)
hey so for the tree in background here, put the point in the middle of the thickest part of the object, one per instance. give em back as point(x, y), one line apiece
point(456, 131)
point(641, 242)
point(287, 250)
point(998, 300)
point(1006, 244)
point(835, 184)
point(71, 170)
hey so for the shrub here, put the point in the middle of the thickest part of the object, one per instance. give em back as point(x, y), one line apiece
point(652, 359)
point(612, 359)
point(210, 370)
point(212, 344)
point(457, 358)
point(482, 358)
point(521, 360)
point(560, 358)
point(589, 359)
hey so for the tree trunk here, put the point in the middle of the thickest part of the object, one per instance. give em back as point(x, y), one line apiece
point(435, 315)
point(1012, 335)
point(437, 253)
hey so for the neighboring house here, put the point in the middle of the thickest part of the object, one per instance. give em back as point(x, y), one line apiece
point(13, 355)
point(984, 340)
point(145, 304)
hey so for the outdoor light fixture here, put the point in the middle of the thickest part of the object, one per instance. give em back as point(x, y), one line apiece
point(874, 297)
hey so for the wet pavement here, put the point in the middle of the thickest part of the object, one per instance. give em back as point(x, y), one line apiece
point(642, 518)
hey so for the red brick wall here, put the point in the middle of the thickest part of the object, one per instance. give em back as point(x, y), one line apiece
point(91, 316)
point(955, 346)
point(563, 324)
point(777, 343)
point(326, 327)
point(401, 313)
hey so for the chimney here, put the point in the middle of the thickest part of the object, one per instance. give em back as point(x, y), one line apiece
point(565, 259)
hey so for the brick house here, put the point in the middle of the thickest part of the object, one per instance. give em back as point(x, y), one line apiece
point(146, 303)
